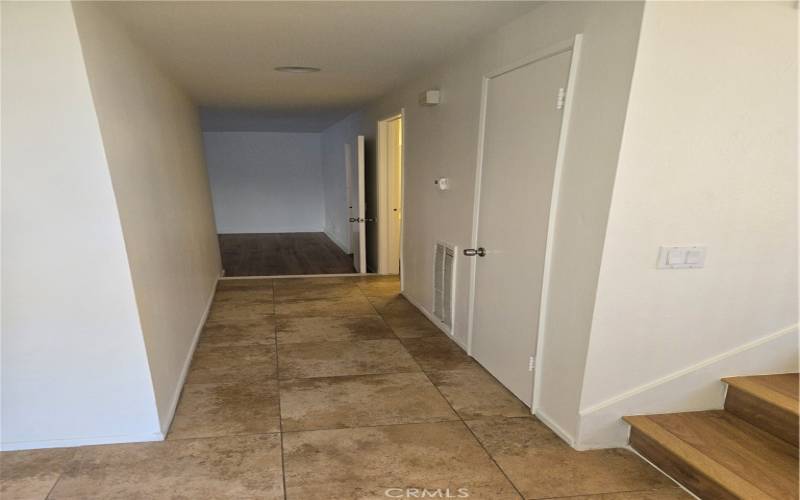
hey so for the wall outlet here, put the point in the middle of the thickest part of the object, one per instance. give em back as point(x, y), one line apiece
point(693, 257)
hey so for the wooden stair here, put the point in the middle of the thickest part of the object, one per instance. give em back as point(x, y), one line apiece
point(748, 450)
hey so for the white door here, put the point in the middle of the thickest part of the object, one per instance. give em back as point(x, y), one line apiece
point(521, 134)
point(357, 219)
point(394, 186)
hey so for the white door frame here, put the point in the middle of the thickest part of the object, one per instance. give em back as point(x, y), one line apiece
point(383, 197)
point(361, 186)
point(575, 46)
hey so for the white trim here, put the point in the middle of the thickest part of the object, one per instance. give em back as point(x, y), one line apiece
point(286, 276)
point(574, 45)
point(176, 396)
point(403, 194)
point(87, 441)
point(549, 422)
point(433, 319)
point(476, 214)
point(338, 243)
point(791, 329)
point(574, 68)
point(362, 202)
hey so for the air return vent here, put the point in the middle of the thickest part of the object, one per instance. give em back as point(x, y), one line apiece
point(444, 263)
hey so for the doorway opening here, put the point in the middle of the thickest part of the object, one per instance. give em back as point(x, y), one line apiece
point(389, 181)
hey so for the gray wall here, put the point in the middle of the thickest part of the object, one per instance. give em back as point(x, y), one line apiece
point(266, 182)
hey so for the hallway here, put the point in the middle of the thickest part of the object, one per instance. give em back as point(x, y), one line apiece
point(334, 388)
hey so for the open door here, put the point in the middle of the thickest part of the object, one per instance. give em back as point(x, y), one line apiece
point(358, 211)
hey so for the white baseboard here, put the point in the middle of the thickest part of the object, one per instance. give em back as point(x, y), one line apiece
point(88, 441)
point(693, 388)
point(288, 276)
point(549, 422)
point(433, 319)
point(176, 396)
point(344, 248)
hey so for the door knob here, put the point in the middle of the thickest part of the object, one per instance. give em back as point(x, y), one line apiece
point(472, 252)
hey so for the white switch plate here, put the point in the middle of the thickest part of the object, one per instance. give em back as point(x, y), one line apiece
point(693, 257)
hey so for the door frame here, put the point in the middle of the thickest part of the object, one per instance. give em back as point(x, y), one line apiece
point(573, 44)
point(383, 196)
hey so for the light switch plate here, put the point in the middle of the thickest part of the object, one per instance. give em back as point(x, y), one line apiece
point(692, 257)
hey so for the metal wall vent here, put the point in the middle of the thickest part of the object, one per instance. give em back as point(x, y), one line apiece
point(444, 263)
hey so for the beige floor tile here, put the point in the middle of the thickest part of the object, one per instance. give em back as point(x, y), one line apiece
point(323, 288)
point(660, 494)
point(542, 466)
point(258, 285)
point(380, 288)
point(364, 463)
point(239, 332)
point(350, 305)
point(413, 325)
point(263, 294)
point(365, 400)
point(438, 353)
point(305, 282)
point(292, 330)
point(332, 359)
point(220, 468)
point(216, 365)
point(31, 474)
point(212, 410)
point(241, 308)
point(474, 393)
point(393, 305)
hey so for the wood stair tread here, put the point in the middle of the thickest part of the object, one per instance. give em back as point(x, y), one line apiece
point(780, 390)
point(742, 459)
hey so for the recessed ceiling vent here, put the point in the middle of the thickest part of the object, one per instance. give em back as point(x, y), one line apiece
point(297, 69)
point(444, 264)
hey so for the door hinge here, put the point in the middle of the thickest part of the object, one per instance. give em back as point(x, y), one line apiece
point(530, 364)
point(562, 95)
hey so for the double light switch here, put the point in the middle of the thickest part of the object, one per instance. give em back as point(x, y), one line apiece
point(681, 257)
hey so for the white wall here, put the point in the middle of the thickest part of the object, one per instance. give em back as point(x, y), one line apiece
point(709, 157)
point(334, 178)
point(441, 141)
point(266, 182)
point(153, 144)
point(74, 368)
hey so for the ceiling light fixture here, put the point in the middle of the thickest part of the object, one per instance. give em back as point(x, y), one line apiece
point(297, 69)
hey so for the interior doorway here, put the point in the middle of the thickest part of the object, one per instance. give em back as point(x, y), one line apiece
point(525, 109)
point(390, 156)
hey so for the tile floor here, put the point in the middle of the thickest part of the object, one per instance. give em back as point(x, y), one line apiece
point(335, 388)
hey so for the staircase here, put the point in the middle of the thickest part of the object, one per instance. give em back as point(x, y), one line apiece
point(748, 450)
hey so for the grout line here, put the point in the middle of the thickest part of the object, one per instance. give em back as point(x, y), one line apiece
point(464, 423)
point(611, 493)
point(278, 389)
point(375, 426)
point(52, 488)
